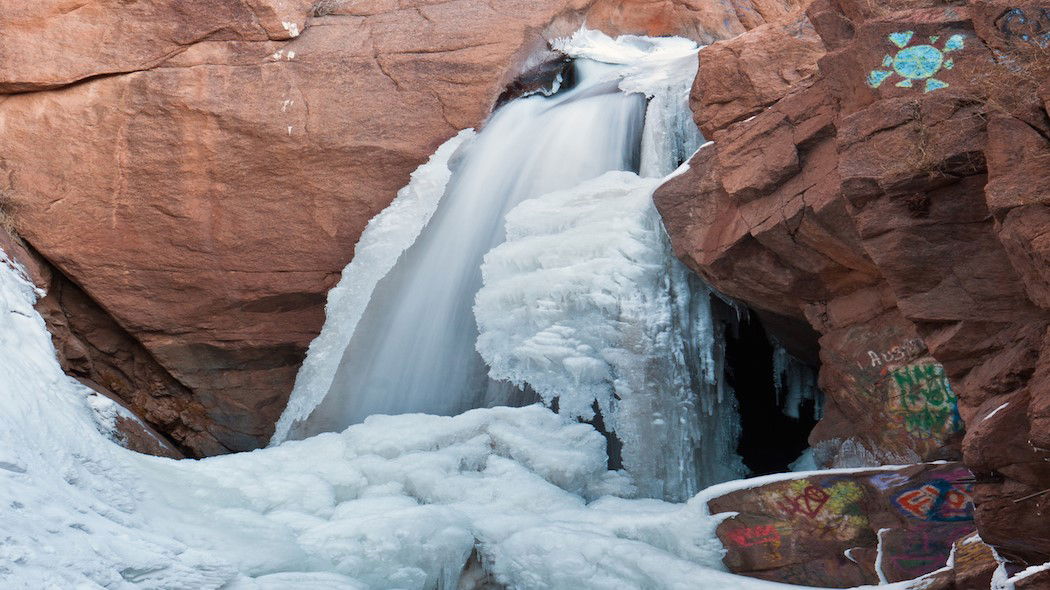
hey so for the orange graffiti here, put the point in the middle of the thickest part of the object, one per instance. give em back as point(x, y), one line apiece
point(918, 502)
point(938, 500)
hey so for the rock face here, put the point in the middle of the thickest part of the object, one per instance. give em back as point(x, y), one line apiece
point(200, 172)
point(895, 198)
point(843, 530)
point(90, 344)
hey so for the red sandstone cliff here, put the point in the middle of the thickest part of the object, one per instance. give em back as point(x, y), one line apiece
point(198, 172)
point(905, 220)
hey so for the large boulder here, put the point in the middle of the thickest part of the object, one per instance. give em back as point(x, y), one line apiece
point(839, 530)
point(201, 171)
point(897, 200)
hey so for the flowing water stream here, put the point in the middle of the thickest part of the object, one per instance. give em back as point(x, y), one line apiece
point(415, 342)
point(584, 305)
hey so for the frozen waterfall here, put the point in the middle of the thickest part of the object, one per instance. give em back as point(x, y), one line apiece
point(528, 259)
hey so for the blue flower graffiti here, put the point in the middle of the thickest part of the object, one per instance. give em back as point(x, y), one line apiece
point(914, 63)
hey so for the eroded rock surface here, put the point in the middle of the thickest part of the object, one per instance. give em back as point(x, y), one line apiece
point(203, 170)
point(896, 198)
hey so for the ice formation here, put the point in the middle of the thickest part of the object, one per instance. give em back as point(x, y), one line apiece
point(395, 502)
point(413, 347)
point(586, 303)
point(385, 238)
point(795, 382)
point(400, 334)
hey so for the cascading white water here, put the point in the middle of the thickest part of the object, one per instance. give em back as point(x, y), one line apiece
point(413, 350)
point(402, 331)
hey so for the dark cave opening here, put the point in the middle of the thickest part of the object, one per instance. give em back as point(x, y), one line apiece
point(770, 440)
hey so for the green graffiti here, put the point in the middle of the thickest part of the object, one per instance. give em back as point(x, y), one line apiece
point(926, 401)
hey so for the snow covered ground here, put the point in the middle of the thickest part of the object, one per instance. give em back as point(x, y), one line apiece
point(396, 502)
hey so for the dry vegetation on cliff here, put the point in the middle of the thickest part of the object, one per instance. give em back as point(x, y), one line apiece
point(1013, 85)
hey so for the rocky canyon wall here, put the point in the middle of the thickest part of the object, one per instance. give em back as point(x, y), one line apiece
point(881, 169)
point(199, 172)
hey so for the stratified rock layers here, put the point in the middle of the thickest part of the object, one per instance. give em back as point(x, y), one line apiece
point(893, 192)
point(203, 170)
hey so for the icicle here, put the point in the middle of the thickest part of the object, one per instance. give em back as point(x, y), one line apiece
point(795, 382)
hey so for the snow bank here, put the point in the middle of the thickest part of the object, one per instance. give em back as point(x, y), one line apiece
point(396, 502)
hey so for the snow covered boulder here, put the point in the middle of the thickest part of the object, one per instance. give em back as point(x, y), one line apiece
point(845, 528)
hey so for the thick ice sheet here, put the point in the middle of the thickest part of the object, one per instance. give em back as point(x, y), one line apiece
point(396, 502)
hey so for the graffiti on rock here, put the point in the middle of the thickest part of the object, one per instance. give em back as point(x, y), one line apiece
point(921, 551)
point(938, 500)
point(919, 62)
point(972, 553)
point(829, 511)
point(755, 535)
point(1029, 27)
point(924, 400)
point(897, 354)
point(809, 502)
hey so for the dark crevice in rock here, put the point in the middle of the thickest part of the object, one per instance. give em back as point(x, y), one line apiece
point(93, 348)
point(548, 77)
point(770, 440)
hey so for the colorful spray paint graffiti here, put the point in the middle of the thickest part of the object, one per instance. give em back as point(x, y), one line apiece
point(938, 500)
point(911, 554)
point(924, 401)
point(827, 512)
point(916, 62)
point(901, 353)
point(828, 529)
point(939, 511)
point(755, 535)
point(971, 553)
